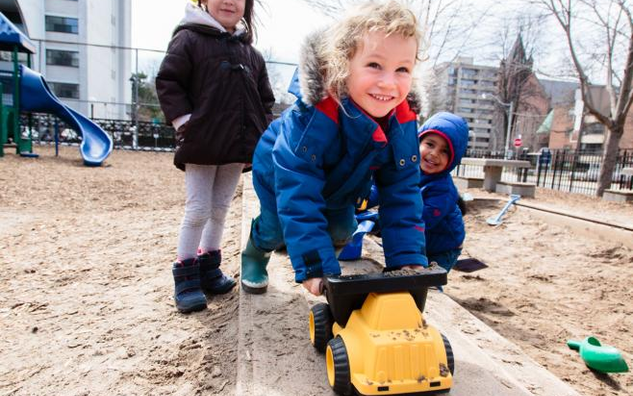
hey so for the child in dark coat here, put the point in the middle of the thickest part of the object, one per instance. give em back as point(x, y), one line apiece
point(213, 88)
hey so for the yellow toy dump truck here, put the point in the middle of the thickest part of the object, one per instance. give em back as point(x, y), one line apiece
point(375, 339)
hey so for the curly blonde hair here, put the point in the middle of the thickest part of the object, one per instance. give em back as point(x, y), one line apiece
point(344, 37)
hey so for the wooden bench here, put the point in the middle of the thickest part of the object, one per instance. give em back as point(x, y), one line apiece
point(527, 190)
point(493, 168)
point(464, 183)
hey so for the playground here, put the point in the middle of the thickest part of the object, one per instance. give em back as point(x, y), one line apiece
point(29, 93)
point(86, 290)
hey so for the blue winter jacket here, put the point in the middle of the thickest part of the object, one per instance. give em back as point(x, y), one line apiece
point(322, 155)
point(442, 217)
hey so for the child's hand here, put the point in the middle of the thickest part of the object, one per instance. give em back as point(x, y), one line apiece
point(180, 134)
point(314, 285)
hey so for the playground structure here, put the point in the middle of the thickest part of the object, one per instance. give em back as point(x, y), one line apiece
point(31, 93)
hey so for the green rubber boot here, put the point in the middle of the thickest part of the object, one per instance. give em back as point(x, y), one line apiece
point(254, 277)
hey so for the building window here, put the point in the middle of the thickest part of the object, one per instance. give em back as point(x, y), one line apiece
point(62, 24)
point(62, 58)
point(7, 56)
point(469, 72)
point(65, 90)
point(7, 85)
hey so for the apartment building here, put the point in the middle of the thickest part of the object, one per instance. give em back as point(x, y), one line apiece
point(470, 91)
point(82, 50)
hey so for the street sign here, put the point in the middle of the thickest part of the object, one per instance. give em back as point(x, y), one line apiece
point(518, 142)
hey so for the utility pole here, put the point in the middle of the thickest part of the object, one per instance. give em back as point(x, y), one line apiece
point(509, 128)
point(135, 81)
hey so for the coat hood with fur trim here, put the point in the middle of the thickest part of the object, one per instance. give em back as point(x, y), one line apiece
point(308, 81)
point(196, 16)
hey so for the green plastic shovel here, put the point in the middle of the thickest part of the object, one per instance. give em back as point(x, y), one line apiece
point(605, 359)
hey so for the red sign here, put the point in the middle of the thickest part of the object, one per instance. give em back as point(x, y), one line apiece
point(518, 142)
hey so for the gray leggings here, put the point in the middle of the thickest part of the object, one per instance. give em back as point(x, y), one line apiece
point(210, 189)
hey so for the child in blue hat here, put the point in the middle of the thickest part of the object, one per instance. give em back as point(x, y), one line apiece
point(442, 143)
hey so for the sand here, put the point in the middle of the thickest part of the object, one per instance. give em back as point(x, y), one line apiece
point(86, 289)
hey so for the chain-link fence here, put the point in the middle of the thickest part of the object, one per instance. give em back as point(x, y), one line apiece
point(114, 82)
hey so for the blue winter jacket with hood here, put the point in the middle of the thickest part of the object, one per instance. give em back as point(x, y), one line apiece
point(320, 154)
point(442, 217)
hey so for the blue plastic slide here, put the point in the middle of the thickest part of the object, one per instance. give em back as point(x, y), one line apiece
point(36, 96)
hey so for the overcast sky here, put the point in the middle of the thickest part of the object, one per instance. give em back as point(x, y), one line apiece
point(282, 26)
point(154, 20)
point(284, 23)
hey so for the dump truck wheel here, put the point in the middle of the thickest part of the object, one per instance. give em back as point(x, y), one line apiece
point(338, 371)
point(449, 354)
point(320, 326)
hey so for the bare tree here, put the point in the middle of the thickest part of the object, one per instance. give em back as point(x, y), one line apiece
point(518, 85)
point(612, 20)
point(279, 74)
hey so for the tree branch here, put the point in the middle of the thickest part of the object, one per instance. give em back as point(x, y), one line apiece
point(563, 15)
point(626, 93)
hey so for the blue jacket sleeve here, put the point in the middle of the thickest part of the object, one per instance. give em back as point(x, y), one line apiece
point(400, 214)
point(299, 180)
point(438, 203)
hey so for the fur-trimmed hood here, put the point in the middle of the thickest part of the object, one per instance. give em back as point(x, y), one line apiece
point(308, 83)
point(197, 17)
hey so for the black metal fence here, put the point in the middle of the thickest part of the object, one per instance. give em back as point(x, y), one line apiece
point(153, 136)
point(578, 171)
point(564, 170)
point(574, 171)
point(150, 135)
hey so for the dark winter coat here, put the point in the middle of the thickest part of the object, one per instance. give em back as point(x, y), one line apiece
point(222, 81)
point(320, 154)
